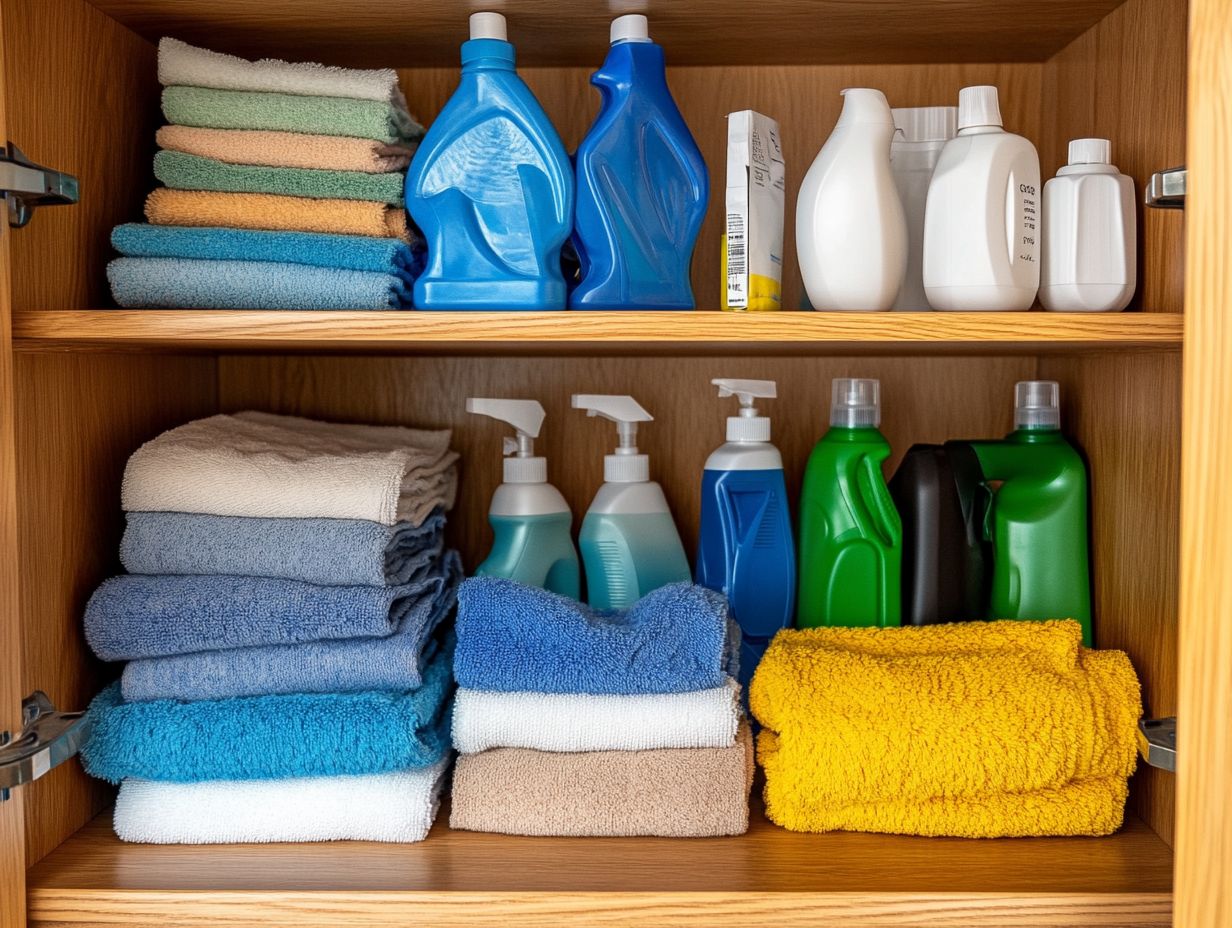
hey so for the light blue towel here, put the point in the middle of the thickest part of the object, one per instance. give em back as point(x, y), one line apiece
point(513, 637)
point(270, 737)
point(350, 665)
point(183, 283)
point(342, 552)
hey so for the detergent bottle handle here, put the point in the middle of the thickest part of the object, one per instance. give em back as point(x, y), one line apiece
point(880, 503)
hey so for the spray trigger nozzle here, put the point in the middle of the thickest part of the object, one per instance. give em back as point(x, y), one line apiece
point(746, 391)
point(509, 446)
point(526, 417)
point(625, 465)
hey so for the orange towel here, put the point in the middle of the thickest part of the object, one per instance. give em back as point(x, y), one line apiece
point(286, 149)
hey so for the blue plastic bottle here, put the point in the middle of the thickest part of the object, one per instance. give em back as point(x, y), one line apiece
point(641, 184)
point(746, 550)
point(491, 188)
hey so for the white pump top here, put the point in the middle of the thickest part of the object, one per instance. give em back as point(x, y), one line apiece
point(489, 26)
point(526, 417)
point(625, 465)
point(748, 426)
point(631, 28)
point(978, 108)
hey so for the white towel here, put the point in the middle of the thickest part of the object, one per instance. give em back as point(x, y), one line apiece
point(581, 722)
point(257, 464)
point(393, 807)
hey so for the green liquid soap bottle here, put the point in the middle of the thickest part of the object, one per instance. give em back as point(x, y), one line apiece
point(530, 518)
point(1038, 519)
point(851, 538)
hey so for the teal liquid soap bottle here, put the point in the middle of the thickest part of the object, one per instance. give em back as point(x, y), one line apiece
point(529, 517)
point(630, 545)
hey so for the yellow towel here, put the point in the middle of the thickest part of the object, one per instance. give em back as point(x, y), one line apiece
point(166, 207)
point(980, 729)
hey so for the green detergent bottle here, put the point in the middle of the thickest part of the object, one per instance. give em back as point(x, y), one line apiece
point(1038, 519)
point(851, 538)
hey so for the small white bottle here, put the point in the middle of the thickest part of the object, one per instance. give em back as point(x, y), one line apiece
point(920, 134)
point(851, 234)
point(1089, 259)
point(982, 223)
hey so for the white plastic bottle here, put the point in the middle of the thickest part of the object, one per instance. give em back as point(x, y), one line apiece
point(920, 133)
point(981, 224)
point(851, 234)
point(1089, 259)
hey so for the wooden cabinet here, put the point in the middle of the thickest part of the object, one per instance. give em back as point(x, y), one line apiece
point(82, 386)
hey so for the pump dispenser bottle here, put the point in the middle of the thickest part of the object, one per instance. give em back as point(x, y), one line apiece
point(529, 517)
point(629, 541)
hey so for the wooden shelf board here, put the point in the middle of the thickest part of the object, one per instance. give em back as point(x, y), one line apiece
point(697, 333)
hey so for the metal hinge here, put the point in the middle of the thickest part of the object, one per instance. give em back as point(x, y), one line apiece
point(48, 738)
point(28, 185)
point(1157, 742)
point(1166, 189)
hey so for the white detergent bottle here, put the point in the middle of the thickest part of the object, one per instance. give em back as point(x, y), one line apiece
point(851, 233)
point(1090, 234)
point(982, 222)
point(530, 518)
point(920, 134)
point(629, 541)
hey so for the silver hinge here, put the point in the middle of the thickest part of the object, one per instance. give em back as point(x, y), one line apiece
point(1166, 189)
point(28, 185)
point(48, 738)
point(1157, 742)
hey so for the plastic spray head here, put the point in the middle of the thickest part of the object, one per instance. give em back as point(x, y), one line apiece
point(625, 465)
point(748, 426)
point(1037, 404)
point(864, 106)
point(526, 417)
point(632, 27)
point(855, 403)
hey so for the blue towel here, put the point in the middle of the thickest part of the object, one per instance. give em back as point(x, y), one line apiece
point(182, 283)
point(350, 665)
point(345, 252)
point(513, 637)
point(341, 552)
point(270, 737)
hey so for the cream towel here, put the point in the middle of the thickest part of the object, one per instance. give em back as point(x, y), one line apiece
point(286, 149)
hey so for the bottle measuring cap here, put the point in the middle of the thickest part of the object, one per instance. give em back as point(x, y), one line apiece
point(1037, 404)
point(855, 403)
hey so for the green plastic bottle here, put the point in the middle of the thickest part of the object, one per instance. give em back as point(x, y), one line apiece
point(851, 538)
point(1038, 519)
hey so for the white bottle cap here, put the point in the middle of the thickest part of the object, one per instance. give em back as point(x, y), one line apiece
point(526, 470)
point(978, 106)
point(1090, 151)
point(626, 468)
point(748, 426)
point(855, 403)
point(926, 123)
point(1037, 404)
point(488, 26)
point(633, 27)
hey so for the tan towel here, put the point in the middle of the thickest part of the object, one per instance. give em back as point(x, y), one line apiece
point(674, 792)
point(268, 211)
point(286, 149)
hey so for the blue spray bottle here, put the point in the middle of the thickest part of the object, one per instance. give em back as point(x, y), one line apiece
point(746, 549)
point(641, 184)
point(491, 188)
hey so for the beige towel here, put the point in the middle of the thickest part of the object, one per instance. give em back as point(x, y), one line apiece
point(286, 149)
point(674, 792)
point(268, 211)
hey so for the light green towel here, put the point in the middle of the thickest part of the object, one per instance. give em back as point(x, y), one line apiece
point(189, 172)
point(239, 109)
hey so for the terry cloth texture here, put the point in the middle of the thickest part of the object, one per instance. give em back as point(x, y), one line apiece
point(517, 638)
point(286, 149)
point(333, 552)
point(180, 283)
point(681, 793)
point(581, 722)
point(269, 211)
point(980, 729)
point(283, 467)
point(189, 172)
point(396, 807)
point(270, 737)
point(342, 666)
point(281, 112)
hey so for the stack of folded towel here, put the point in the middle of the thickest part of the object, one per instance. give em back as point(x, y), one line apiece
point(283, 618)
point(978, 730)
point(283, 190)
point(574, 722)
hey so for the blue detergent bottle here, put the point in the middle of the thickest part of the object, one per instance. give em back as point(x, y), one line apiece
point(746, 549)
point(641, 184)
point(529, 517)
point(491, 188)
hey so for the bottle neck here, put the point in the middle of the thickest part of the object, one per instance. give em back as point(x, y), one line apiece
point(1035, 436)
point(981, 130)
point(487, 55)
point(1087, 169)
point(854, 435)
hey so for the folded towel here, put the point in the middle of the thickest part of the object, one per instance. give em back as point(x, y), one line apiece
point(581, 722)
point(190, 172)
point(181, 283)
point(513, 638)
point(396, 807)
point(166, 207)
point(281, 112)
point(258, 464)
point(270, 737)
point(981, 729)
point(341, 666)
point(685, 792)
point(286, 149)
